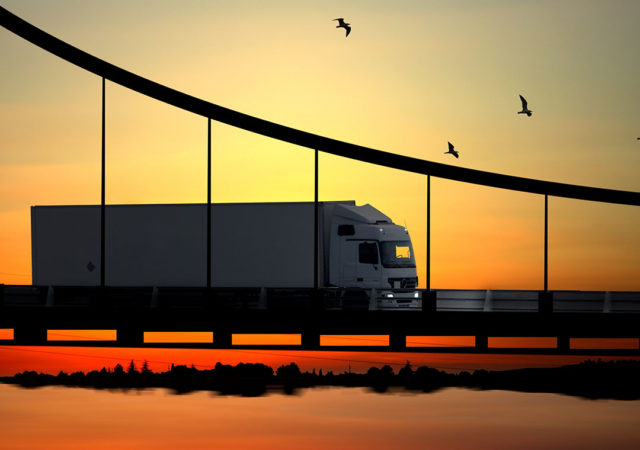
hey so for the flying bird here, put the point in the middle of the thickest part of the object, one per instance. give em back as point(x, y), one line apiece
point(343, 24)
point(451, 150)
point(525, 110)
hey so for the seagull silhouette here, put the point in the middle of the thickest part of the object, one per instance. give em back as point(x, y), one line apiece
point(343, 24)
point(524, 107)
point(451, 150)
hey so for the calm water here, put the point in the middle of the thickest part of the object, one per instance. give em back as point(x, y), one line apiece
point(322, 418)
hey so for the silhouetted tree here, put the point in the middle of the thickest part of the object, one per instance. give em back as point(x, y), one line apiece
point(289, 371)
point(373, 372)
point(145, 368)
point(406, 371)
point(118, 369)
point(386, 371)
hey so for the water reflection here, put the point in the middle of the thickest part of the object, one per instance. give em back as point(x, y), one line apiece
point(589, 379)
point(54, 417)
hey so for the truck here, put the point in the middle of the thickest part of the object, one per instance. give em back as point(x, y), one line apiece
point(263, 245)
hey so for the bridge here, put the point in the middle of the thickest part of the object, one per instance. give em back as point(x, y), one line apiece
point(310, 314)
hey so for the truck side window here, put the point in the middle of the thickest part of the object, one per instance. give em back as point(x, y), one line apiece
point(368, 253)
point(346, 230)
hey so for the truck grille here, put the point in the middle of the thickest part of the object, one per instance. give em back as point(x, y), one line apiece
point(405, 283)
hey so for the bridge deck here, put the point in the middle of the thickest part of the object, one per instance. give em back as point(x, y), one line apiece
point(563, 316)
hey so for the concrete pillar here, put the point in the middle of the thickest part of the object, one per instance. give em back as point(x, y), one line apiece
point(310, 339)
point(397, 341)
point(563, 343)
point(30, 335)
point(482, 342)
point(130, 337)
point(222, 338)
point(545, 302)
point(429, 301)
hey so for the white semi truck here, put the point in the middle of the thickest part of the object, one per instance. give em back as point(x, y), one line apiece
point(253, 245)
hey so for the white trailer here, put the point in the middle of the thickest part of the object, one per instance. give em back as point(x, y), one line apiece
point(253, 245)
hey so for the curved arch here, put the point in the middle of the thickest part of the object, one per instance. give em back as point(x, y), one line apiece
point(228, 116)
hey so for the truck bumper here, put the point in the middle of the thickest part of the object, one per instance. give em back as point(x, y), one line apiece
point(409, 299)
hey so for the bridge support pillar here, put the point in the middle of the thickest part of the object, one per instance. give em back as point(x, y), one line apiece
point(397, 341)
point(30, 335)
point(130, 337)
point(222, 338)
point(545, 302)
point(482, 342)
point(310, 339)
point(429, 301)
point(563, 344)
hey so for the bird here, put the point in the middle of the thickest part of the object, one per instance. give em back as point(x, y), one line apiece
point(343, 24)
point(524, 107)
point(451, 150)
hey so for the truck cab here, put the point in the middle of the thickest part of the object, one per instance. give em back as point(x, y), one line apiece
point(367, 250)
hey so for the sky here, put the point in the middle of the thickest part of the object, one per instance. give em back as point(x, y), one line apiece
point(411, 76)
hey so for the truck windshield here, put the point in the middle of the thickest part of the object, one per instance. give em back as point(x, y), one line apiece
point(397, 254)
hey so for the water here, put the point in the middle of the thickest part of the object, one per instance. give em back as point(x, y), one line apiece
point(320, 418)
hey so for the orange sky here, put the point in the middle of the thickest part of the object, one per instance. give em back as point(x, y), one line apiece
point(70, 359)
point(410, 77)
point(52, 359)
point(407, 80)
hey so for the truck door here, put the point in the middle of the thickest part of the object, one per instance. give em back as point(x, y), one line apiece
point(348, 263)
point(368, 273)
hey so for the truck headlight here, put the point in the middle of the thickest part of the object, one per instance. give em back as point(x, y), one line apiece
point(389, 295)
point(415, 295)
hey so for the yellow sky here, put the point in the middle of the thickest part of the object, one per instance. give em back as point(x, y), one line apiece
point(411, 76)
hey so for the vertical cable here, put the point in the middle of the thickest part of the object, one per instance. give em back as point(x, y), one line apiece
point(208, 203)
point(546, 243)
point(102, 196)
point(428, 232)
point(315, 224)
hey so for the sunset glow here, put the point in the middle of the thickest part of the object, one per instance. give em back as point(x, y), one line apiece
point(190, 306)
point(408, 92)
point(70, 359)
point(81, 335)
point(409, 78)
point(175, 337)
